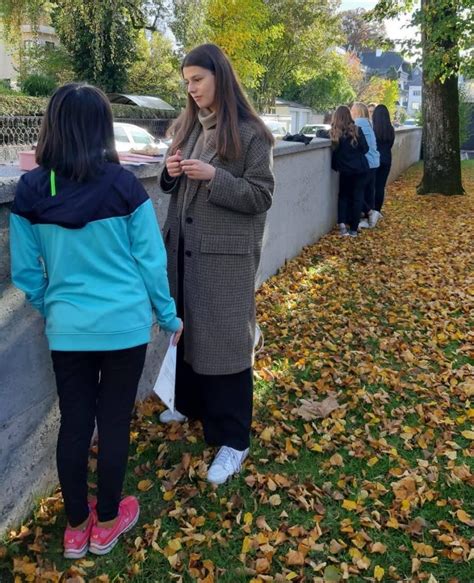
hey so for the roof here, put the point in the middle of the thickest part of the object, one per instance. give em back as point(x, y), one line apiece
point(140, 100)
point(384, 62)
point(291, 104)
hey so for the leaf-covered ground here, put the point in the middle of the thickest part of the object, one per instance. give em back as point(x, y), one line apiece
point(361, 466)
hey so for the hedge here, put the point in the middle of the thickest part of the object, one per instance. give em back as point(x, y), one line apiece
point(26, 106)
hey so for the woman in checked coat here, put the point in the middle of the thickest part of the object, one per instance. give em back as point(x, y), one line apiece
point(219, 174)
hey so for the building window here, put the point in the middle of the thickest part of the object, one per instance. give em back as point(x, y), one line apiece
point(417, 93)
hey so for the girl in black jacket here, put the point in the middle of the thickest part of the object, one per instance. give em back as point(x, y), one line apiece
point(349, 160)
point(385, 136)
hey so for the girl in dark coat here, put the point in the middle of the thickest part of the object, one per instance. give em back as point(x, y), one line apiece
point(385, 136)
point(349, 160)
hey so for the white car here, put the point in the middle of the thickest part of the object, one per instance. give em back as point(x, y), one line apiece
point(309, 130)
point(131, 137)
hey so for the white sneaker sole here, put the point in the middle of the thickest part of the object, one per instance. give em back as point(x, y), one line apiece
point(76, 554)
point(104, 549)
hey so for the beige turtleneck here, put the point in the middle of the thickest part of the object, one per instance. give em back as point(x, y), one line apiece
point(208, 121)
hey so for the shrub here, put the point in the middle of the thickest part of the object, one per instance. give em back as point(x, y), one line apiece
point(38, 85)
point(21, 105)
point(25, 105)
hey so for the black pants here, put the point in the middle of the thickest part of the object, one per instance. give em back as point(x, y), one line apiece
point(369, 193)
point(381, 176)
point(223, 403)
point(94, 386)
point(351, 198)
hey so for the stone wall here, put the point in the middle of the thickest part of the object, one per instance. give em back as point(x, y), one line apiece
point(304, 209)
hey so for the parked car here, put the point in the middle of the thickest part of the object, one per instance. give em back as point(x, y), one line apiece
point(131, 137)
point(410, 122)
point(310, 130)
point(278, 130)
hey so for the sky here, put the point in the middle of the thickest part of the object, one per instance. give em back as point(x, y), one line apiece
point(396, 28)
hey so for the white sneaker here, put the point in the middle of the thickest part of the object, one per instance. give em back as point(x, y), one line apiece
point(374, 217)
point(169, 416)
point(227, 462)
point(342, 229)
point(364, 224)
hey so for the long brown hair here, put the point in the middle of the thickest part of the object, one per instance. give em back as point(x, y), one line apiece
point(343, 126)
point(232, 105)
point(77, 134)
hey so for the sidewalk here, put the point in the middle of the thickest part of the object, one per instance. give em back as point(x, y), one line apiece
point(363, 428)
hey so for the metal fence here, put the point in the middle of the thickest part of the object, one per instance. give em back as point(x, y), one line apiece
point(21, 133)
point(16, 134)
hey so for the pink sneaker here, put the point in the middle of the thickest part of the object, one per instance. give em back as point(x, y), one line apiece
point(102, 539)
point(76, 542)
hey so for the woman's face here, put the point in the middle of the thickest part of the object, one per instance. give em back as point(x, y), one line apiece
point(201, 85)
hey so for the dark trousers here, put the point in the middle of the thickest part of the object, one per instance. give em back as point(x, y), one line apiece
point(351, 198)
point(95, 386)
point(223, 403)
point(381, 176)
point(369, 193)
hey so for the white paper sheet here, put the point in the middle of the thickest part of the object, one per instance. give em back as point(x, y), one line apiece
point(165, 383)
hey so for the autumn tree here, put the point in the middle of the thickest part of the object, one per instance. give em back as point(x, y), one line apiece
point(242, 28)
point(380, 90)
point(361, 33)
point(447, 32)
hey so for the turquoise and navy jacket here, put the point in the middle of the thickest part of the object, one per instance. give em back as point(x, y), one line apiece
point(373, 156)
point(91, 259)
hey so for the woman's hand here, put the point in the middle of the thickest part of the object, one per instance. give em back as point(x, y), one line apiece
point(177, 334)
point(173, 164)
point(198, 170)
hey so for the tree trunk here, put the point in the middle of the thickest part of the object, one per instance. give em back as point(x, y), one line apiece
point(440, 108)
point(441, 152)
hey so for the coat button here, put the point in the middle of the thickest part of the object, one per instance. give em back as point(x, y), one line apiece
point(188, 253)
point(189, 220)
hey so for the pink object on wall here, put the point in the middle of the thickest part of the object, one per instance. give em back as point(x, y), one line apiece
point(27, 160)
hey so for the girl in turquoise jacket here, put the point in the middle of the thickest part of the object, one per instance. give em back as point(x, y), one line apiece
point(87, 251)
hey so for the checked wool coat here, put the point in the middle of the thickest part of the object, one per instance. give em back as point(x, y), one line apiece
point(222, 235)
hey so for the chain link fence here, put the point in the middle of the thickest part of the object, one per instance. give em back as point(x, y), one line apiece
point(21, 133)
point(17, 134)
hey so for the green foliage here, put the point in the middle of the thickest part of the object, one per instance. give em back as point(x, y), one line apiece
point(135, 112)
point(299, 49)
point(328, 88)
point(155, 71)
point(52, 62)
point(38, 85)
point(448, 34)
point(22, 105)
point(189, 23)
point(100, 38)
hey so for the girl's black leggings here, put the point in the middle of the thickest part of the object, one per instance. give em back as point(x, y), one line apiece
point(95, 386)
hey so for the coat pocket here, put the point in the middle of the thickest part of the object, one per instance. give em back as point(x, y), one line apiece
point(226, 244)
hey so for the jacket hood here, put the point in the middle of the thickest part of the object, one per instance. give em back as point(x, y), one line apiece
point(75, 203)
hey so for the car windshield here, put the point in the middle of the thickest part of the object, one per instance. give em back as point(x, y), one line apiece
point(141, 137)
point(307, 129)
point(120, 134)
